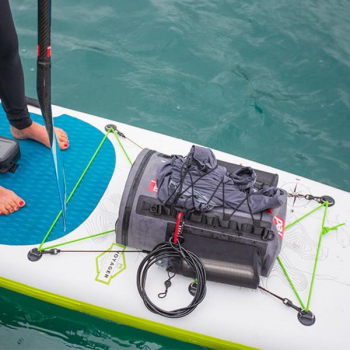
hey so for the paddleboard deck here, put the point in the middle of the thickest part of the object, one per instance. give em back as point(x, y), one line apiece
point(104, 284)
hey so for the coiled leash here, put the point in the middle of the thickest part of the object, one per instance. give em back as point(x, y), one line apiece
point(170, 251)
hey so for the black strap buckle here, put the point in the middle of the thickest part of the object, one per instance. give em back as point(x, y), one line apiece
point(156, 209)
point(267, 235)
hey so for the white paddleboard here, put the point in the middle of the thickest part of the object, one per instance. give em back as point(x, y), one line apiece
point(104, 284)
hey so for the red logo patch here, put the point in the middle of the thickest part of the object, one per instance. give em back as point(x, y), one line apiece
point(153, 186)
point(279, 223)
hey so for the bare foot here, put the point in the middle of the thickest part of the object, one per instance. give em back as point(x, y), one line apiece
point(9, 201)
point(38, 133)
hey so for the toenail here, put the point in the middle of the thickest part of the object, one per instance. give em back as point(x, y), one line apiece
point(17, 208)
point(66, 145)
point(21, 203)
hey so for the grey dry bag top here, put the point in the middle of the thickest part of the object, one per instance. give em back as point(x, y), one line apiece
point(198, 182)
point(234, 216)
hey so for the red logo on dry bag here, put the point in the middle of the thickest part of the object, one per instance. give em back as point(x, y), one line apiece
point(279, 223)
point(153, 186)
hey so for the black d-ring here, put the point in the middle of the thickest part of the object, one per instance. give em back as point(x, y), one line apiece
point(111, 126)
point(34, 255)
point(307, 318)
point(328, 199)
point(192, 288)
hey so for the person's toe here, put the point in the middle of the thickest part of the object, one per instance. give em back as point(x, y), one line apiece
point(62, 138)
point(3, 210)
point(61, 133)
point(9, 201)
point(9, 208)
point(14, 206)
point(64, 145)
point(19, 202)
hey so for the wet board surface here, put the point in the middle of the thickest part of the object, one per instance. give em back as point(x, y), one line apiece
point(104, 284)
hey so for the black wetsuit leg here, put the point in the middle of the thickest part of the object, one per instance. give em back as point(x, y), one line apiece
point(11, 72)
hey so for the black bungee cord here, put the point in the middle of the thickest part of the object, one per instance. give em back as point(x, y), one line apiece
point(170, 250)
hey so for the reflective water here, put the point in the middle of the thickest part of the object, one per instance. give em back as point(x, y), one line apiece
point(26, 323)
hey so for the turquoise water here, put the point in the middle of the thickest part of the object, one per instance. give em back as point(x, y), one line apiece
point(268, 81)
point(30, 324)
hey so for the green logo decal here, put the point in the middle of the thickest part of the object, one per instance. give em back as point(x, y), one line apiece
point(110, 264)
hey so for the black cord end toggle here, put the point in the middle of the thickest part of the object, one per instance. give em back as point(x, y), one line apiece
point(289, 303)
point(167, 283)
point(54, 251)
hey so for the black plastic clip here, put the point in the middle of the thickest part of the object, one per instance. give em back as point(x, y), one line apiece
point(267, 235)
point(156, 209)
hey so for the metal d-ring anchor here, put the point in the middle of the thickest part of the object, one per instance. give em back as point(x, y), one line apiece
point(321, 199)
point(307, 318)
point(35, 254)
point(111, 126)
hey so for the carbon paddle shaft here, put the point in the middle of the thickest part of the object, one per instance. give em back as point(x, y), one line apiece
point(44, 64)
point(44, 95)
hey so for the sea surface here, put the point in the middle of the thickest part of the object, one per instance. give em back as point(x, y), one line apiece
point(268, 81)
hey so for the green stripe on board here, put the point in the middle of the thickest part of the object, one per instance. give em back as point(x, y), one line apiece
point(119, 317)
